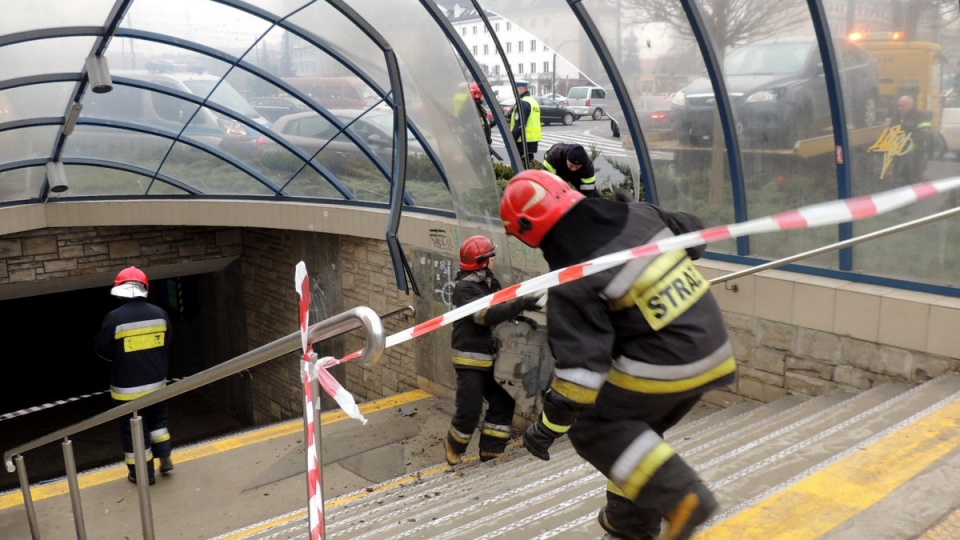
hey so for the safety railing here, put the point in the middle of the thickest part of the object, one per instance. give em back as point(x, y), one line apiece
point(360, 317)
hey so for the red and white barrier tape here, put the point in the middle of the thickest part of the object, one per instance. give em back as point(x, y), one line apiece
point(816, 215)
point(45, 406)
point(308, 375)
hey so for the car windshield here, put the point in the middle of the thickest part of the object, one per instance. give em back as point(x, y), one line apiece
point(383, 121)
point(768, 59)
point(224, 95)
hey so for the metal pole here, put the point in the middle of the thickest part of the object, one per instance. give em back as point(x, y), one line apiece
point(71, 466)
point(27, 497)
point(317, 397)
point(143, 483)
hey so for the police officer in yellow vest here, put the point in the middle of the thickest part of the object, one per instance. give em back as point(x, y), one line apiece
point(526, 120)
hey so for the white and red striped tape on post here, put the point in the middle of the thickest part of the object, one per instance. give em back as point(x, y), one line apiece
point(816, 215)
point(314, 471)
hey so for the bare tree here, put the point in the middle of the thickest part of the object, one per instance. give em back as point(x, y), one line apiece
point(910, 16)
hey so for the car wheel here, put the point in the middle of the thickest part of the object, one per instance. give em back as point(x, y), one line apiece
point(614, 128)
point(597, 114)
point(567, 119)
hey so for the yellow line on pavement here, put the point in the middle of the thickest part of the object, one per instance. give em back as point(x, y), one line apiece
point(824, 500)
point(290, 427)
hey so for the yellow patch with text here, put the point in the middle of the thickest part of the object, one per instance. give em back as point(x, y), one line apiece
point(671, 295)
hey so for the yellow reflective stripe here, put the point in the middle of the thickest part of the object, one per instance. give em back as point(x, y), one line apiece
point(590, 180)
point(653, 272)
point(653, 386)
point(615, 489)
point(549, 167)
point(472, 362)
point(459, 437)
point(490, 432)
point(126, 331)
point(553, 427)
point(574, 392)
point(647, 468)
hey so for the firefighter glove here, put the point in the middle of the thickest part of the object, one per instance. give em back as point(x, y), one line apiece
point(535, 301)
point(538, 438)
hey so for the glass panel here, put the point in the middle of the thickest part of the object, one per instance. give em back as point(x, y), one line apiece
point(27, 143)
point(58, 55)
point(27, 16)
point(111, 144)
point(209, 174)
point(21, 184)
point(200, 21)
point(93, 181)
point(35, 100)
point(915, 51)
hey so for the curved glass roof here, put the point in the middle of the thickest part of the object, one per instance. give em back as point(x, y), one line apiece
point(361, 102)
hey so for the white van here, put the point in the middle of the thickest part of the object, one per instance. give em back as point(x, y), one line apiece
point(587, 101)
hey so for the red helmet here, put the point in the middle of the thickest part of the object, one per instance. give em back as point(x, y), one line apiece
point(533, 201)
point(131, 273)
point(475, 253)
point(475, 91)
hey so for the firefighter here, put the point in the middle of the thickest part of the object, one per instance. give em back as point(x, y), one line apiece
point(474, 353)
point(477, 96)
point(909, 166)
point(635, 347)
point(135, 338)
point(572, 163)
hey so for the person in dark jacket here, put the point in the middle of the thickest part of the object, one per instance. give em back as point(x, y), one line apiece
point(135, 337)
point(572, 163)
point(474, 353)
point(635, 346)
point(910, 164)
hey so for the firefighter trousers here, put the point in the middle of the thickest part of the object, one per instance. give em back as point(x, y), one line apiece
point(474, 386)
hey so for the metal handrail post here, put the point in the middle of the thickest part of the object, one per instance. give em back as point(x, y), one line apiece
point(70, 463)
point(143, 482)
point(27, 497)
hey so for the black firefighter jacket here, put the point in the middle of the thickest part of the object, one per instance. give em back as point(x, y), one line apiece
point(649, 326)
point(135, 337)
point(472, 341)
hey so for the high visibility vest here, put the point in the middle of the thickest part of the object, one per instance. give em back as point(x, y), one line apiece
point(532, 129)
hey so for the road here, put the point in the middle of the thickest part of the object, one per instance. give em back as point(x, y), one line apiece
point(592, 134)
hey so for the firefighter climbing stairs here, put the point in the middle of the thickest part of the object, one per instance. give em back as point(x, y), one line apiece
point(881, 464)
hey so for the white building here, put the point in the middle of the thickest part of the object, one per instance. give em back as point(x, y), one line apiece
point(530, 58)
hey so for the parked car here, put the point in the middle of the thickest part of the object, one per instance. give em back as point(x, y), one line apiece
point(551, 112)
point(167, 113)
point(587, 101)
point(654, 113)
point(313, 132)
point(778, 92)
point(562, 100)
point(273, 107)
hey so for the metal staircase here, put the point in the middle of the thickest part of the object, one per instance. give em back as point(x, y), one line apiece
point(808, 467)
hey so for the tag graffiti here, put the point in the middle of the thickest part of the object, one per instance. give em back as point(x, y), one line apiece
point(893, 142)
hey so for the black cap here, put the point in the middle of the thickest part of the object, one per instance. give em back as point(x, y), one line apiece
point(577, 155)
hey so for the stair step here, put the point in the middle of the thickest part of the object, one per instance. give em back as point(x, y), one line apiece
point(748, 454)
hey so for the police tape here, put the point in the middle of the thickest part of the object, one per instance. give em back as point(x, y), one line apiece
point(807, 217)
point(45, 406)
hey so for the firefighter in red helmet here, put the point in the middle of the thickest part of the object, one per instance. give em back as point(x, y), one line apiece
point(656, 342)
point(474, 353)
point(135, 338)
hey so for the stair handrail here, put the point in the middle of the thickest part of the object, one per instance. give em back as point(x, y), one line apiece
point(358, 317)
point(837, 245)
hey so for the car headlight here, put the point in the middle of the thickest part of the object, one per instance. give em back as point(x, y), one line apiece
point(679, 99)
point(761, 96)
